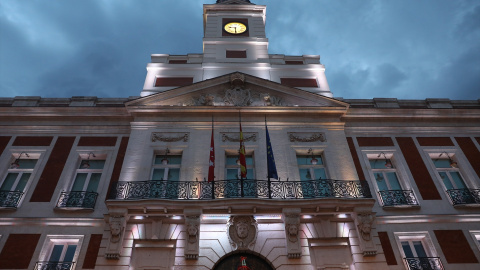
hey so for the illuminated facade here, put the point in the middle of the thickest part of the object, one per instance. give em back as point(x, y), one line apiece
point(92, 183)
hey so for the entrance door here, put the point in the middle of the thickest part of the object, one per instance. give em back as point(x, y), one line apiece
point(243, 261)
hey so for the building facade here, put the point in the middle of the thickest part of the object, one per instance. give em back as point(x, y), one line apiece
point(103, 183)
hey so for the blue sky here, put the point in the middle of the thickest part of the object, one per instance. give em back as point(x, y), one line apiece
point(408, 49)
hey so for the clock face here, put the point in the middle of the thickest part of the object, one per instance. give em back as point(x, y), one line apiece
point(235, 28)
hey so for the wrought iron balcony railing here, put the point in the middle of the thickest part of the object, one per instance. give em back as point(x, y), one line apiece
point(10, 199)
point(77, 199)
point(464, 196)
point(424, 263)
point(397, 197)
point(246, 188)
point(54, 265)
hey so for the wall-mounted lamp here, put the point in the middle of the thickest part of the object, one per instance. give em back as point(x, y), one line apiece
point(16, 164)
point(453, 164)
point(313, 161)
point(86, 163)
point(388, 163)
point(165, 159)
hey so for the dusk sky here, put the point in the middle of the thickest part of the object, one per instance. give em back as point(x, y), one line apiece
point(408, 49)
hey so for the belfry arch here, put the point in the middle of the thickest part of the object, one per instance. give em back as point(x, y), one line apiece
point(244, 258)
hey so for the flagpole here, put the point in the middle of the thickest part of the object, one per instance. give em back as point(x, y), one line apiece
point(268, 165)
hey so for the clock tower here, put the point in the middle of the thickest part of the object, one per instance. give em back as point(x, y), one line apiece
point(234, 31)
point(234, 40)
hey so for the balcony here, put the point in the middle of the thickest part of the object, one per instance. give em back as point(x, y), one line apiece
point(424, 263)
point(10, 199)
point(398, 198)
point(240, 188)
point(54, 265)
point(77, 199)
point(464, 196)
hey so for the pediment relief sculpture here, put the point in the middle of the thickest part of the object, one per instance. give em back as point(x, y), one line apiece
point(236, 96)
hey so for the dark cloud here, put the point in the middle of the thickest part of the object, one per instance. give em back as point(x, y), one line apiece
point(405, 49)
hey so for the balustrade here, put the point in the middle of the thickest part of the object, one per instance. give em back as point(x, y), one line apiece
point(239, 188)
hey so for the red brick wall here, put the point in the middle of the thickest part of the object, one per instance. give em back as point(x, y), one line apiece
point(299, 82)
point(32, 141)
point(97, 141)
point(374, 141)
point(51, 174)
point(417, 167)
point(118, 162)
point(455, 246)
point(387, 248)
point(435, 141)
point(92, 251)
point(4, 142)
point(18, 251)
point(356, 161)
point(470, 151)
point(173, 81)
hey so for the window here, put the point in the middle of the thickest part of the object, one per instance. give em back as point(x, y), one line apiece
point(15, 182)
point(417, 251)
point(166, 175)
point(387, 182)
point(59, 252)
point(84, 190)
point(232, 167)
point(449, 173)
point(313, 175)
point(476, 238)
point(167, 167)
point(311, 167)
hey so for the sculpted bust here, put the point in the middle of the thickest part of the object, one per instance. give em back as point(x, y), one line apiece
point(242, 231)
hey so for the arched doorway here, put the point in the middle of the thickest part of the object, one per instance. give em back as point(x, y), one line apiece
point(243, 260)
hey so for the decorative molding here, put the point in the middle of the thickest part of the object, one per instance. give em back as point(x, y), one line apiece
point(117, 226)
point(291, 219)
point(192, 224)
point(307, 136)
point(247, 136)
point(364, 222)
point(242, 232)
point(175, 136)
point(237, 79)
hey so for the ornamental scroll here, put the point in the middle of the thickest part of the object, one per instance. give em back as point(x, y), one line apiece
point(235, 137)
point(169, 137)
point(307, 137)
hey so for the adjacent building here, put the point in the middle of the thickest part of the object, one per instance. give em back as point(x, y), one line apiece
point(103, 183)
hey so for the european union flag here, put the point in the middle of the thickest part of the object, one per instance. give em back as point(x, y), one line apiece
point(272, 169)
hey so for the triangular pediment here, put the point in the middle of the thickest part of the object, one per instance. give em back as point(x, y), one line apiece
point(237, 90)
